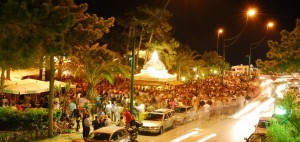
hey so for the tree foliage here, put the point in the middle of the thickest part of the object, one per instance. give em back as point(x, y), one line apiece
point(185, 60)
point(283, 56)
point(96, 63)
point(286, 128)
point(152, 32)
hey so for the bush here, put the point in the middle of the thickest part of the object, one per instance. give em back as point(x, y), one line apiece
point(10, 119)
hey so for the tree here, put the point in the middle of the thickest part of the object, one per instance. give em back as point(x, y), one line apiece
point(96, 64)
point(284, 56)
point(212, 61)
point(18, 36)
point(286, 128)
point(60, 17)
point(152, 31)
point(185, 60)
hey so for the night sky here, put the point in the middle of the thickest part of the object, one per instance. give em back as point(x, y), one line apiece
point(195, 22)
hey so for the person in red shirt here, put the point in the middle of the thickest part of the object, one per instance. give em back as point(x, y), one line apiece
point(19, 107)
point(127, 115)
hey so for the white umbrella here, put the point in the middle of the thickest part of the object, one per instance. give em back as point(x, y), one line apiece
point(27, 86)
point(20, 89)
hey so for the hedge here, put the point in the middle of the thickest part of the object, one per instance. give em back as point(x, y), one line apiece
point(11, 119)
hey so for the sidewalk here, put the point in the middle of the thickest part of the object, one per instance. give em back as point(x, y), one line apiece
point(68, 137)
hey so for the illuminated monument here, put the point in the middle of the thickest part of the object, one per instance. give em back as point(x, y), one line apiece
point(154, 71)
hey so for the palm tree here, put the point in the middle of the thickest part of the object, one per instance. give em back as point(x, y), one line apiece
point(185, 59)
point(96, 63)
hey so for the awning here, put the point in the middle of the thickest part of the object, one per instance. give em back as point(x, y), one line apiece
point(156, 83)
point(174, 83)
point(30, 86)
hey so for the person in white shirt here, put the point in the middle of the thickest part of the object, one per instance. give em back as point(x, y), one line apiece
point(4, 100)
point(206, 111)
point(240, 100)
point(86, 125)
point(121, 122)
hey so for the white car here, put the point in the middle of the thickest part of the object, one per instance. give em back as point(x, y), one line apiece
point(185, 114)
point(158, 121)
point(108, 134)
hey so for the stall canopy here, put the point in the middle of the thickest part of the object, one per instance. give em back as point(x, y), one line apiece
point(29, 86)
point(154, 73)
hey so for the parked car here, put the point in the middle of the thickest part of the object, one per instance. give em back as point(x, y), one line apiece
point(185, 114)
point(158, 121)
point(263, 122)
point(256, 137)
point(108, 134)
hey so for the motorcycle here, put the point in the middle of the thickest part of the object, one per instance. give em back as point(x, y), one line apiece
point(133, 131)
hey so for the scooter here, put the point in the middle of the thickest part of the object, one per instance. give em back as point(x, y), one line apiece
point(134, 130)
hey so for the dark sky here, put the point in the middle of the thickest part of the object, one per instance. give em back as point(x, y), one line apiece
point(195, 22)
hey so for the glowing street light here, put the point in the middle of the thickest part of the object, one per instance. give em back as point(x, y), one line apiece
point(251, 12)
point(230, 41)
point(256, 44)
point(220, 31)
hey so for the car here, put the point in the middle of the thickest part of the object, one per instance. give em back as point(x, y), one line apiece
point(158, 121)
point(263, 122)
point(256, 137)
point(184, 114)
point(108, 134)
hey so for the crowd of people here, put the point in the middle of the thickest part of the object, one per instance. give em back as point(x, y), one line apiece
point(110, 106)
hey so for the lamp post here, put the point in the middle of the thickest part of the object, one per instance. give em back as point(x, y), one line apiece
point(256, 44)
point(230, 41)
point(220, 31)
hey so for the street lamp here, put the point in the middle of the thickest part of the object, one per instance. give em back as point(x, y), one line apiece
point(230, 41)
point(220, 31)
point(256, 44)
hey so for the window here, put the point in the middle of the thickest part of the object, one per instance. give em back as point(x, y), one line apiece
point(115, 136)
point(166, 116)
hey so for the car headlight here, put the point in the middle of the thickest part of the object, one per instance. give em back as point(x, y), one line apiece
point(155, 127)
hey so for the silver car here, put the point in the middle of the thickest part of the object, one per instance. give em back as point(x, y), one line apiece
point(108, 134)
point(158, 121)
point(185, 114)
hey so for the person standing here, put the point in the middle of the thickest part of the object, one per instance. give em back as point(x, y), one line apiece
point(100, 113)
point(121, 122)
point(76, 115)
point(240, 100)
point(4, 101)
point(219, 107)
point(112, 113)
point(86, 126)
point(127, 116)
point(117, 112)
point(172, 104)
point(96, 123)
point(206, 111)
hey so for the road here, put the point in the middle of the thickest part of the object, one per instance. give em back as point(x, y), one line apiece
point(230, 129)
